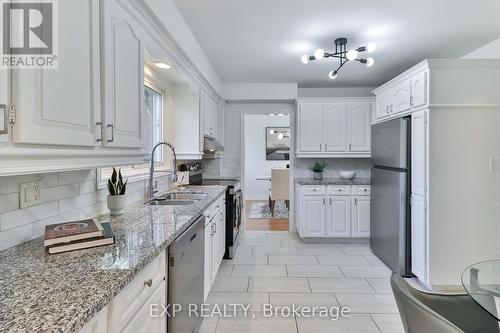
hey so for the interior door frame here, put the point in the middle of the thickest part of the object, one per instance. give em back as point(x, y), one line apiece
point(292, 111)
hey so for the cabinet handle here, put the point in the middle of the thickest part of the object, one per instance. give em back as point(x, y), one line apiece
point(411, 100)
point(330, 201)
point(324, 201)
point(355, 201)
point(350, 146)
point(112, 132)
point(391, 107)
point(99, 124)
point(320, 146)
point(326, 146)
point(6, 109)
point(148, 283)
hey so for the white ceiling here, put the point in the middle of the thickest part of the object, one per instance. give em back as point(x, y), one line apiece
point(262, 40)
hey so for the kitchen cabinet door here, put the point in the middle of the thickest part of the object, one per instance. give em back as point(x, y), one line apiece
point(419, 89)
point(207, 276)
point(215, 247)
point(401, 97)
point(143, 322)
point(418, 237)
point(383, 102)
point(312, 215)
point(338, 216)
point(123, 54)
point(310, 124)
point(62, 106)
point(419, 152)
point(4, 101)
point(334, 127)
point(359, 127)
point(360, 216)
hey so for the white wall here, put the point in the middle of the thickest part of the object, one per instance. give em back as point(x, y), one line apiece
point(256, 164)
point(336, 92)
point(65, 196)
point(488, 51)
point(362, 166)
point(260, 91)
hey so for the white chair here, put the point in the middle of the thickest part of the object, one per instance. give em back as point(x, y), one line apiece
point(280, 188)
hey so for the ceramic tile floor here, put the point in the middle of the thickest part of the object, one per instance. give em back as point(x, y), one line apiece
point(280, 269)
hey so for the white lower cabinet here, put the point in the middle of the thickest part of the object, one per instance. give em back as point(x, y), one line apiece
point(215, 242)
point(98, 324)
point(312, 215)
point(334, 212)
point(360, 216)
point(130, 310)
point(143, 321)
point(418, 237)
point(338, 212)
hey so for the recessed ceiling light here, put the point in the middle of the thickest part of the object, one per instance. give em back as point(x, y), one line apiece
point(162, 65)
point(281, 114)
point(272, 114)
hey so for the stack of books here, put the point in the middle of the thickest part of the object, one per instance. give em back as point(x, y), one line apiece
point(77, 235)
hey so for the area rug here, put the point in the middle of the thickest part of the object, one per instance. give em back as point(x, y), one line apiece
point(260, 210)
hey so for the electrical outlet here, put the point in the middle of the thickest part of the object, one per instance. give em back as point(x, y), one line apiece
point(29, 194)
point(494, 164)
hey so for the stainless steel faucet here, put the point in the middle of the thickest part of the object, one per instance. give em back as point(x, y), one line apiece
point(151, 190)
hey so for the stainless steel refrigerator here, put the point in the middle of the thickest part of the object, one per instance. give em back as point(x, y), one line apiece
point(390, 194)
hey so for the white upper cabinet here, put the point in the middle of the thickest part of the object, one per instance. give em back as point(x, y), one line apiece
point(212, 117)
point(359, 127)
point(335, 127)
point(403, 94)
point(123, 69)
point(419, 90)
point(338, 216)
point(62, 106)
point(401, 97)
point(310, 127)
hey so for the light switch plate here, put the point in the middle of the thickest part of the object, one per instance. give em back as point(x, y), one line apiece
point(494, 164)
point(29, 194)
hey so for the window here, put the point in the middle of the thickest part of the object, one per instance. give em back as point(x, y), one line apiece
point(153, 133)
point(153, 120)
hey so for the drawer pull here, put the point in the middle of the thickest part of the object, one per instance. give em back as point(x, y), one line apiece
point(148, 283)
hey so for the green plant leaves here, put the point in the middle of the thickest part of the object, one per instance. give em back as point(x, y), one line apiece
point(115, 184)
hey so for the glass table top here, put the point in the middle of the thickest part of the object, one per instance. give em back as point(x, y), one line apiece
point(482, 283)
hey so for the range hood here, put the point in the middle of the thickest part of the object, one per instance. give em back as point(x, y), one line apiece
point(210, 145)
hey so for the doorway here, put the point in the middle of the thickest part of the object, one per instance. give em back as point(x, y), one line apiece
point(266, 147)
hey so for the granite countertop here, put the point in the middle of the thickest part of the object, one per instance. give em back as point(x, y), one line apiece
point(333, 181)
point(61, 292)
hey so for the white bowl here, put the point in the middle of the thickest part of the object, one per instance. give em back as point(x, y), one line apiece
point(347, 175)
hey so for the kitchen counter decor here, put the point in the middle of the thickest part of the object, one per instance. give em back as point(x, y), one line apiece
point(116, 199)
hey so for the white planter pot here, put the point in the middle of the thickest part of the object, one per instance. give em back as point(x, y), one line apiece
point(317, 175)
point(116, 204)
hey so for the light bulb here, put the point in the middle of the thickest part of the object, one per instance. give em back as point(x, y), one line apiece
point(371, 47)
point(305, 59)
point(162, 65)
point(271, 132)
point(351, 55)
point(332, 75)
point(369, 62)
point(319, 54)
point(280, 136)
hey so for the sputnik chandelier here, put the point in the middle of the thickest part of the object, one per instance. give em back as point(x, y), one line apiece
point(342, 55)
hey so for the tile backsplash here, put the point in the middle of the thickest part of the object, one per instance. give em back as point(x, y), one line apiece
point(65, 196)
point(362, 166)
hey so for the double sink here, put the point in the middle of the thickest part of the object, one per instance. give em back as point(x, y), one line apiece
point(177, 198)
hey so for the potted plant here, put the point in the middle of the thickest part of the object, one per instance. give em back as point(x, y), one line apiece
point(318, 169)
point(116, 198)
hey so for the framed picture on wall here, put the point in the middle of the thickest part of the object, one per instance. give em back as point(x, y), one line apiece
point(278, 143)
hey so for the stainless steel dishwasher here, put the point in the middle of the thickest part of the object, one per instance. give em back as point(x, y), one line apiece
point(185, 277)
